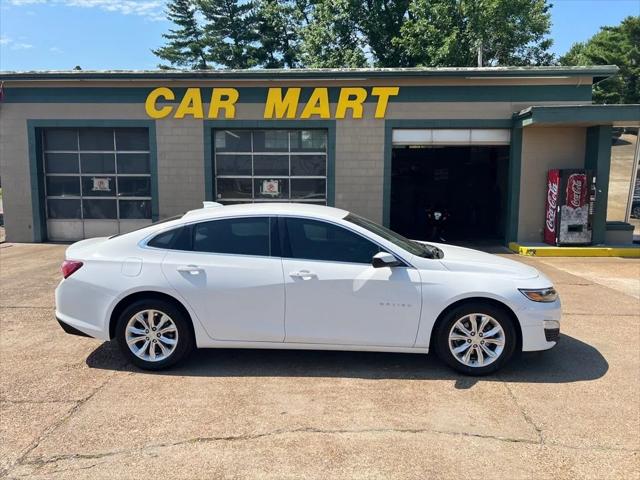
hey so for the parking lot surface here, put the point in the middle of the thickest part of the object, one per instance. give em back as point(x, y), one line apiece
point(71, 407)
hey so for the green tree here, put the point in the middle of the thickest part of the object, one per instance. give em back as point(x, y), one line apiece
point(279, 26)
point(619, 45)
point(185, 45)
point(231, 32)
point(380, 22)
point(457, 32)
point(331, 40)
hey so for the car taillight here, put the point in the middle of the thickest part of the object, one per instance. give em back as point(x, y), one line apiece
point(69, 266)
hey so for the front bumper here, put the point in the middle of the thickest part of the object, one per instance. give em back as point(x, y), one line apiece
point(540, 324)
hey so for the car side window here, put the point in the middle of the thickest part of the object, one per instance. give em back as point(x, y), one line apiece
point(317, 240)
point(175, 239)
point(237, 236)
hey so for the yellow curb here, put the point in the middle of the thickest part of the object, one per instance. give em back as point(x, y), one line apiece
point(551, 251)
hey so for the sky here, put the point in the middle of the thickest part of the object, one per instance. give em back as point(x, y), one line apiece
point(120, 34)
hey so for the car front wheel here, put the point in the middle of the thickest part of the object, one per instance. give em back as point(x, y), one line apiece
point(476, 339)
point(154, 334)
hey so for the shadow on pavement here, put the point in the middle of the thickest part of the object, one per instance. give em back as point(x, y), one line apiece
point(570, 361)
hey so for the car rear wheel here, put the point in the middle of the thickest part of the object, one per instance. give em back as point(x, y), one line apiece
point(476, 339)
point(154, 334)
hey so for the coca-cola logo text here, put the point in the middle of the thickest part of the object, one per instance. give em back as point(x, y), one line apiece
point(576, 190)
point(552, 203)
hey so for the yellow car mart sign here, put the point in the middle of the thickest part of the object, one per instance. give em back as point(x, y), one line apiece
point(280, 103)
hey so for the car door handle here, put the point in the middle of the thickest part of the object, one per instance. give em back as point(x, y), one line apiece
point(192, 269)
point(303, 274)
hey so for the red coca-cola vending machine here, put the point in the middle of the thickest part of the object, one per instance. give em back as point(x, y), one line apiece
point(571, 197)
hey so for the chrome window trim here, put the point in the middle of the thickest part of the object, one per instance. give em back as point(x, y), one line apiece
point(143, 242)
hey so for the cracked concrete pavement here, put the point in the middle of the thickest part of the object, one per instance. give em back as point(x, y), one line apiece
point(70, 407)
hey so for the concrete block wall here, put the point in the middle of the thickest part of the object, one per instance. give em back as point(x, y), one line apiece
point(180, 165)
point(14, 170)
point(360, 167)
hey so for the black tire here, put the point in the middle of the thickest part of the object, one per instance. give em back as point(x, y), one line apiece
point(185, 339)
point(441, 339)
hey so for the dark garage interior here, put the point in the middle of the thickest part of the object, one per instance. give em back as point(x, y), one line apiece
point(467, 183)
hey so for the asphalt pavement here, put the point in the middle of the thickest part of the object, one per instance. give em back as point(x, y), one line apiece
point(71, 407)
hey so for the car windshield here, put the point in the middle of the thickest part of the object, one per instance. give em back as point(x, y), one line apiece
point(416, 248)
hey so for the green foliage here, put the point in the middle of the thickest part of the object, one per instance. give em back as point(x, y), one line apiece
point(185, 45)
point(279, 25)
point(330, 39)
point(231, 32)
point(619, 46)
point(450, 33)
point(356, 33)
point(380, 23)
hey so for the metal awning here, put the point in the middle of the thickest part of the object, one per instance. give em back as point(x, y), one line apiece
point(579, 115)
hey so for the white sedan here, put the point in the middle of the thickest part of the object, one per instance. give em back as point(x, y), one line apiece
point(301, 277)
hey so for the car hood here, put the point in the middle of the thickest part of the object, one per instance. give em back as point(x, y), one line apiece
point(459, 259)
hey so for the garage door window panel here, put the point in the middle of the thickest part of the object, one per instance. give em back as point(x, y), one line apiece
point(235, 188)
point(308, 165)
point(233, 141)
point(61, 139)
point(60, 209)
point(61, 162)
point(97, 139)
point(100, 209)
point(233, 164)
point(308, 188)
point(133, 163)
point(135, 209)
point(132, 139)
point(98, 162)
point(134, 186)
point(62, 186)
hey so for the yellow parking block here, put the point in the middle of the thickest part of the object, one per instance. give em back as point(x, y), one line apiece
point(597, 251)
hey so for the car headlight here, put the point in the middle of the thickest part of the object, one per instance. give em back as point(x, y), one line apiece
point(540, 294)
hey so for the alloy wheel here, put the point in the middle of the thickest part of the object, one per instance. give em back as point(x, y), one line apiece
point(476, 340)
point(151, 335)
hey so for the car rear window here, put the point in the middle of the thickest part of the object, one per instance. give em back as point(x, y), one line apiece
point(175, 239)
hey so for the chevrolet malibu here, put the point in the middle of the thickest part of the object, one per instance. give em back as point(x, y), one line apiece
point(301, 276)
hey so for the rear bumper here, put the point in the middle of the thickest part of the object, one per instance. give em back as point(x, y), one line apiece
point(71, 330)
point(82, 308)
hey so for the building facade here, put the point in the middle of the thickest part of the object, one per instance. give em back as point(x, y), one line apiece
point(88, 154)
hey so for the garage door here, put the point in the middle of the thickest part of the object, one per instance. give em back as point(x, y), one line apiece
point(97, 181)
point(270, 166)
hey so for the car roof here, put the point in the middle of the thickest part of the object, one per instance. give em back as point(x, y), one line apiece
point(303, 209)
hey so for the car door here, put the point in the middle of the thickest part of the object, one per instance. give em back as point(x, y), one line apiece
point(335, 296)
point(232, 278)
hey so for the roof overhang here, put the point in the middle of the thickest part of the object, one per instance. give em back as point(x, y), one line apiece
point(597, 72)
point(579, 115)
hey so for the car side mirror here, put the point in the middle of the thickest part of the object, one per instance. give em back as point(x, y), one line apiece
point(384, 259)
